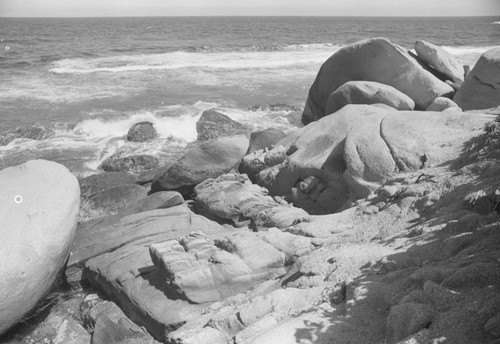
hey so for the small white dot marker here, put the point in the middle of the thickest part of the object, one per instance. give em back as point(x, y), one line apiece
point(7, 48)
point(18, 199)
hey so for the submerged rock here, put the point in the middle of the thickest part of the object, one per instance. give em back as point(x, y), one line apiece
point(35, 132)
point(39, 203)
point(481, 88)
point(373, 60)
point(440, 60)
point(213, 124)
point(142, 132)
point(367, 92)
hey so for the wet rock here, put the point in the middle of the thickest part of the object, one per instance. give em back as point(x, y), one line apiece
point(274, 107)
point(96, 183)
point(39, 205)
point(213, 124)
point(440, 60)
point(133, 163)
point(481, 88)
point(142, 132)
point(373, 60)
point(206, 160)
point(109, 201)
point(367, 92)
point(35, 132)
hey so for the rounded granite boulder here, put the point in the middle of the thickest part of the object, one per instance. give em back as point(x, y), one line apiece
point(39, 202)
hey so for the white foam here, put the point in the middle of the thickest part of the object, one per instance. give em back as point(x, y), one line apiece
point(496, 22)
point(230, 60)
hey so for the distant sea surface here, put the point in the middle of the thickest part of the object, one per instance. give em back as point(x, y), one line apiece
point(90, 79)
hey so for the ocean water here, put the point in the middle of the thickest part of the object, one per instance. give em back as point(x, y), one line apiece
point(90, 79)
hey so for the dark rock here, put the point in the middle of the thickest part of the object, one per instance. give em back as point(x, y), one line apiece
point(213, 124)
point(275, 107)
point(112, 199)
point(407, 319)
point(207, 160)
point(264, 139)
point(133, 163)
point(93, 184)
point(142, 132)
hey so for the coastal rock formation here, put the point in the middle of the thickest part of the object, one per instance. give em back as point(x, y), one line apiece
point(481, 88)
point(39, 203)
point(213, 124)
point(350, 153)
point(441, 104)
point(440, 60)
point(207, 160)
point(35, 132)
point(132, 163)
point(96, 183)
point(367, 92)
point(142, 132)
point(373, 60)
point(234, 197)
point(266, 138)
point(109, 201)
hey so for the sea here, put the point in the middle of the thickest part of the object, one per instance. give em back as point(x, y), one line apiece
point(88, 80)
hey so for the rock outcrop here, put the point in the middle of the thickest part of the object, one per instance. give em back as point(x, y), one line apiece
point(373, 60)
point(39, 203)
point(233, 197)
point(349, 154)
point(207, 160)
point(481, 88)
point(142, 132)
point(213, 124)
point(440, 60)
point(266, 138)
point(367, 92)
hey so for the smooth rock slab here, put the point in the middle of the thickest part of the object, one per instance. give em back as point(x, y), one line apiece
point(39, 202)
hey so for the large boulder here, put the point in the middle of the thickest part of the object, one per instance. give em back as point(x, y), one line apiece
point(109, 201)
point(39, 205)
point(440, 60)
point(441, 104)
point(142, 132)
point(213, 124)
point(373, 60)
point(481, 88)
point(367, 92)
point(132, 163)
point(266, 138)
point(207, 160)
point(347, 155)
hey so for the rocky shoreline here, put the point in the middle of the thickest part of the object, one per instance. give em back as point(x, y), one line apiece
point(376, 222)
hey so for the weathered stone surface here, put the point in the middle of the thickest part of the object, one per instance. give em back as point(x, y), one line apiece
point(367, 92)
point(142, 132)
point(406, 319)
point(440, 60)
point(34, 132)
point(133, 163)
point(481, 88)
point(373, 60)
point(39, 203)
point(202, 272)
point(117, 263)
point(106, 331)
point(264, 139)
point(109, 201)
point(441, 104)
point(207, 160)
point(233, 197)
point(213, 124)
point(257, 161)
point(94, 184)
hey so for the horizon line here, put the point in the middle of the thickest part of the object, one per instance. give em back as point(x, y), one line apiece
point(254, 16)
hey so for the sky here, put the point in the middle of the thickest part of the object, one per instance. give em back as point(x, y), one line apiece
point(119, 8)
